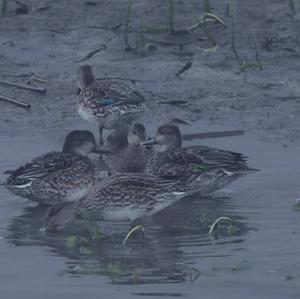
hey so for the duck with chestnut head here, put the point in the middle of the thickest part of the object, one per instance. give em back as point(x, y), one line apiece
point(197, 168)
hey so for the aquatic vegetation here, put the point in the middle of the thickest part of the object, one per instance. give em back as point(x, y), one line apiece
point(238, 267)
point(71, 242)
point(93, 228)
point(257, 64)
point(113, 270)
point(228, 227)
point(297, 205)
point(79, 244)
point(241, 266)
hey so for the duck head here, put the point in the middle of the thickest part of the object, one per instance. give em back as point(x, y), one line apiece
point(80, 142)
point(85, 76)
point(167, 137)
point(136, 134)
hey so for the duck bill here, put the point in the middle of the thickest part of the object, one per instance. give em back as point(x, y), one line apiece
point(151, 141)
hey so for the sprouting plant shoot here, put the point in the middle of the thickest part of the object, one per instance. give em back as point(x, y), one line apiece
point(215, 223)
point(171, 16)
point(4, 7)
point(233, 5)
point(207, 6)
point(129, 234)
point(127, 26)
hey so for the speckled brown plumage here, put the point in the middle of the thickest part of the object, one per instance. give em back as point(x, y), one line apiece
point(57, 176)
point(127, 153)
point(107, 103)
point(129, 196)
point(196, 168)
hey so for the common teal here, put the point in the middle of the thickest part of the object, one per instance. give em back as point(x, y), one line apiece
point(119, 197)
point(197, 168)
point(127, 153)
point(107, 103)
point(57, 176)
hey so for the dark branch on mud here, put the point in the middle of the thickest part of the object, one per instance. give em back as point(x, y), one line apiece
point(187, 66)
point(18, 103)
point(132, 80)
point(92, 53)
point(213, 134)
point(167, 43)
point(37, 89)
point(112, 29)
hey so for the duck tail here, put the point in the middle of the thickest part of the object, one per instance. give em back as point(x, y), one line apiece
point(9, 172)
point(246, 170)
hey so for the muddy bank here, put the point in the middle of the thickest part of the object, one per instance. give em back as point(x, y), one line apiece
point(53, 39)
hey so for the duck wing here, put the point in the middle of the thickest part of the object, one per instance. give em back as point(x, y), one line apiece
point(211, 157)
point(103, 98)
point(127, 189)
point(190, 160)
point(41, 167)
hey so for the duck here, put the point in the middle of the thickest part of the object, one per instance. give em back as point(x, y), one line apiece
point(57, 176)
point(107, 103)
point(197, 169)
point(120, 197)
point(126, 152)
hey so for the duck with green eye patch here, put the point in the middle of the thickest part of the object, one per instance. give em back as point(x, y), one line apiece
point(109, 104)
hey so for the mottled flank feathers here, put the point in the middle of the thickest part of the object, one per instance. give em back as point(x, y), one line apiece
point(196, 168)
point(57, 176)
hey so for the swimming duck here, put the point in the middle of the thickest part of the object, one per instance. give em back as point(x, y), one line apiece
point(120, 197)
point(57, 176)
point(106, 103)
point(197, 168)
point(127, 153)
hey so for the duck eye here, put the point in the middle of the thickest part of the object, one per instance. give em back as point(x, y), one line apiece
point(134, 132)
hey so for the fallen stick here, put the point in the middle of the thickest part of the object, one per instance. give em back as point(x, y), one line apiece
point(213, 134)
point(92, 53)
point(42, 90)
point(38, 79)
point(167, 43)
point(173, 102)
point(187, 66)
point(22, 104)
point(124, 79)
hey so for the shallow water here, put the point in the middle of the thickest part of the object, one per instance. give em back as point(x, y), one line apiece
point(259, 259)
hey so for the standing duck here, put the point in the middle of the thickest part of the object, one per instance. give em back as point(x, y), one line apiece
point(106, 103)
point(57, 177)
point(197, 168)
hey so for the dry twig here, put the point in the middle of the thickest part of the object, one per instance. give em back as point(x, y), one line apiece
point(21, 104)
point(37, 89)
